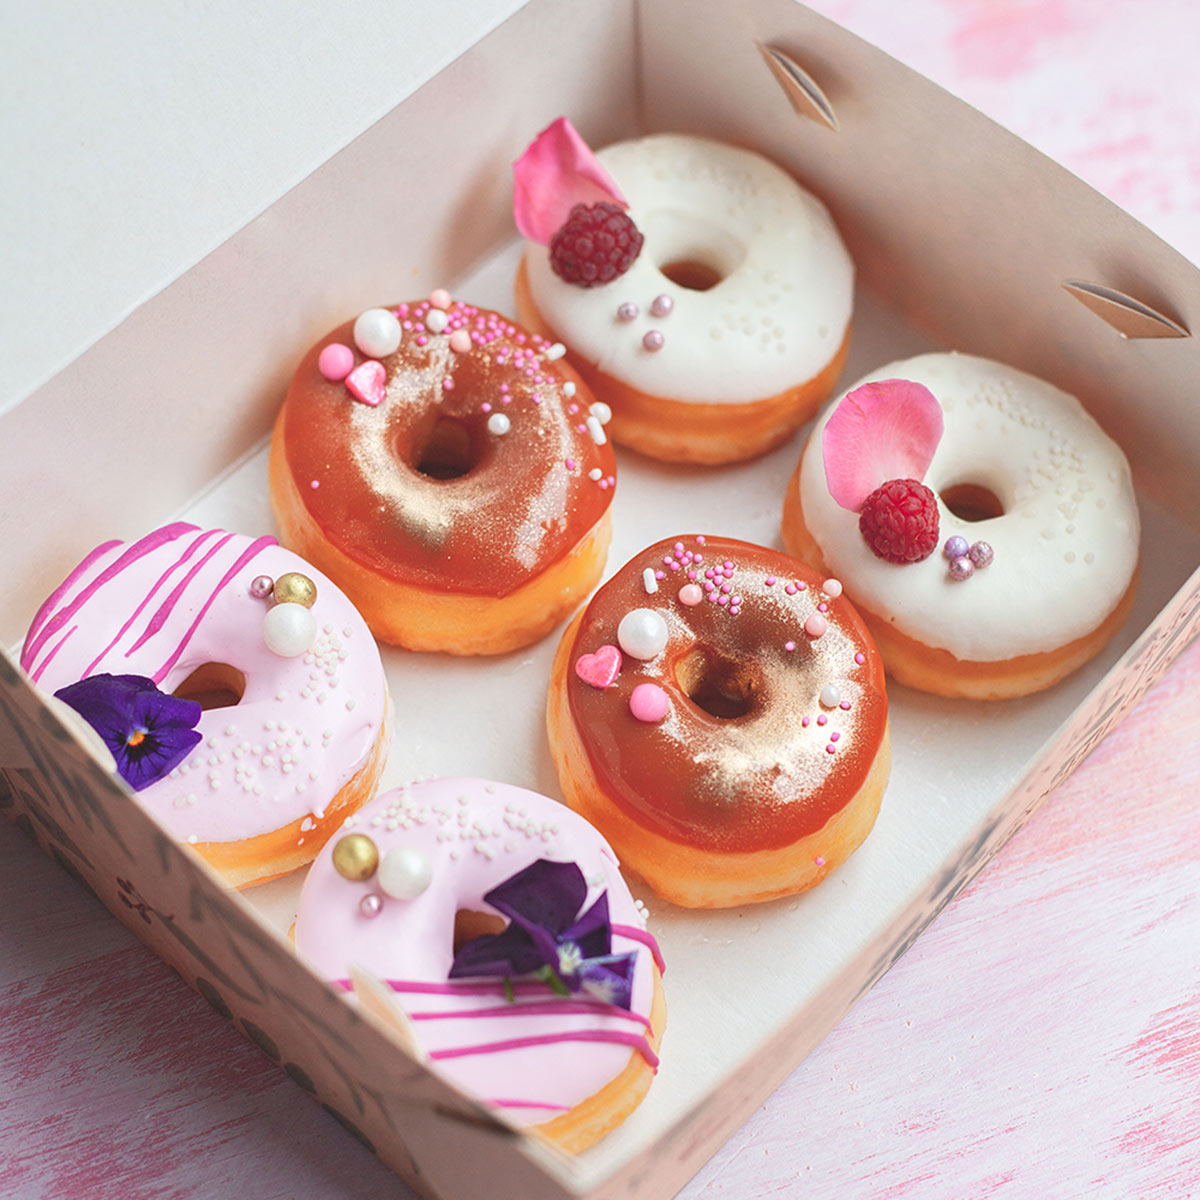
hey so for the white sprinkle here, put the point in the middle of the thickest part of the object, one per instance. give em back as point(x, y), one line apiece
point(436, 320)
point(601, 412)
point(555, 351)
point(498, 424)
point(649, 582)
point(192, 839)
point(597, 431)
point(595, 473)
point(568, 389)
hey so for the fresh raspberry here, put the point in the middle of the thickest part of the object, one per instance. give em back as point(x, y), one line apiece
point(900, 521)
point(596, 244)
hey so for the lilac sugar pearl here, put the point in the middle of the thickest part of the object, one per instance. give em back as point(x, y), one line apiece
point(262, 587)
point(956, 547)
point(961, 568)
point(981, 554)
point(653, 340)
point(661, 306)
point(627, 311)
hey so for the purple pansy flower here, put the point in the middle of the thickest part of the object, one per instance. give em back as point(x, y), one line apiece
point(149, 732)
point(547, 936)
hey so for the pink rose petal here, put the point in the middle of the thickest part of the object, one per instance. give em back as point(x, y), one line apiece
point(557, 172)
point(366, 382)
point(880, 431)
point(600, 669)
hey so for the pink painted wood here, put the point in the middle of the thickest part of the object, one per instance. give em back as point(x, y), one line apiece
point(1042, 1038)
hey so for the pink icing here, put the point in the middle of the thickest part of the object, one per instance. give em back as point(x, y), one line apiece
point(303, 727)
point(880, 431)
point(556, 172)
point(476, 835)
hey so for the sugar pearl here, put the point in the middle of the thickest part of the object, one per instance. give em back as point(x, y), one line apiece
point(832, 588)
point(981, 554)
point(405, 872)
point(371, 905)
point(498, 424)
point(661, 306)
point(460, 341)
point(603, 413)
point(436, 320)
point(961, 568)
point(440, 298)
point(649, 703)
point(690, 594)
point(815, 626)
point(289, 630)
point(336, 362)
point(653, 340)
point(627, 311)
point(831, 696)
point(377, 333)
point(355, 857)
point(261, 587)
point(642, 633)
point(955, 547)
point(294, 587)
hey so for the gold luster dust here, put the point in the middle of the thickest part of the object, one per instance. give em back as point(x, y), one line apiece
point(355, 857)
point(295, 588)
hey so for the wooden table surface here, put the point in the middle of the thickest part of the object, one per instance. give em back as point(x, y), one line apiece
point(1042, 1039)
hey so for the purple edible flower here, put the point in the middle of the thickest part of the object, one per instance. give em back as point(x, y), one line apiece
point(149, 732)
point(548, 936)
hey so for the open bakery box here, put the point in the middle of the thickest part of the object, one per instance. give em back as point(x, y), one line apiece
point(963, 236)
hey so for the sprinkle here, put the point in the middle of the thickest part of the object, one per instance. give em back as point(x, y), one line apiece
point(595, 473)
point(844, 706)
point(436, 320)
point(597, 431)
point(806, 721)
point(316, 483)
point(603, 414)
point(568, 389)
point(833, 737)
point(859, 658)
point(770, 581)
point(570, 464)
point(789, 647)
point(831, 696)
point(498, 424)
point(822, 720)
point(819, 861)
point(816, 625)
point(831, 749)
point(649, 703)
point(649, 582)
point(557, 350)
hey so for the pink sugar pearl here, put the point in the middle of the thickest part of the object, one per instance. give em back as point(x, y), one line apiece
point(460, 341)
point(690, 594)
point(440, 298)
point(649, 703)
point(336, 362)
point(815, 626)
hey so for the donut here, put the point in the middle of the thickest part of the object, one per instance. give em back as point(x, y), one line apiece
point(251, 755)
point(449, 471)
point(498, 925)
point(1028, 554)
point(718, 712)
point(730, 326)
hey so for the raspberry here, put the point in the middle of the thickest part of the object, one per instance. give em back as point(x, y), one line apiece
point(596, 244)
point(900, 521)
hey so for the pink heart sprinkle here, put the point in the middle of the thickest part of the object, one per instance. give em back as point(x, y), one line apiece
point(366, 382)
point(599, 670)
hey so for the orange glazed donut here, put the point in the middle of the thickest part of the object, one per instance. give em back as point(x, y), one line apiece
point(718, 712)
point(453, 476)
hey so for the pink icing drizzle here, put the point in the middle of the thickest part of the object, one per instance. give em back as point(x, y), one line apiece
point(646, 938)
point(529, 1104)
point(615, 1036)
point(550, 1008)
point(60, 591)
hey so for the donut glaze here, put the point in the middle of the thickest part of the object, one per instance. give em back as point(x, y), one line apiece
point(475, 835)
point(530, 495)
point(780, 766)
point(304, 728)
point(1065, 546)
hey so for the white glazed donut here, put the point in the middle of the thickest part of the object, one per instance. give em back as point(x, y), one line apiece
point(743, 362)
point(1065, 545)
point(281, 764)
point(570, 1066)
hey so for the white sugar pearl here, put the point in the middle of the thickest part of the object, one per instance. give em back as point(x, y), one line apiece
point(377, 333)
point(642, 633)
point(405, 872)
point(831, 696)
point(436, 320)
point(601, 412)
point(289, 630)
point(498, 423)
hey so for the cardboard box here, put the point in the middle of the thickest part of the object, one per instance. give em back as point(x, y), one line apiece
point(963, 237)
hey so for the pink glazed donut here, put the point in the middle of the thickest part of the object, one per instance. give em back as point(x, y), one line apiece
point(290, 740)
point(416, 890)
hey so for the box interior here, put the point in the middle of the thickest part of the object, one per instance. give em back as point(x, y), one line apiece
point(945, 260)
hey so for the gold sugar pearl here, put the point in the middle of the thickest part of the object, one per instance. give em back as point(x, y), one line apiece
point(294, 588)
point(355, 856)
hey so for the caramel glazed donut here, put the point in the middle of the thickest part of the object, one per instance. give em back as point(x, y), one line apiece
point(718, 711)
point(453, 477)
point(415, 874)
point(292, 738)
point(1065, 542)
point(730, 327)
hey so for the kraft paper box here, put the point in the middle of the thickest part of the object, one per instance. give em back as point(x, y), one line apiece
point(964, 238)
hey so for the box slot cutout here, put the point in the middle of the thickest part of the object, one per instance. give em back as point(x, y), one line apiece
point(799, 87)
point(1129, 317)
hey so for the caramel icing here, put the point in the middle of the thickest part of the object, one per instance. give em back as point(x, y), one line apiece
point(759, 779)
point(527, 495)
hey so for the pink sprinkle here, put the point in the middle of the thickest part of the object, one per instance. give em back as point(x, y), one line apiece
point(844, 706)
point(770, 581)
point(806, 721)
point(570, 464)
point(822, 607)
point(316, 483)
point(336, 362)
point(735, 609)
point(649, 703)
point(722, 599)
point(790, 589)
point(831, 748)
point(789, 647)
point(485, 407)
point(602, 484)
point(504, 387)
point(422, 340)
point(727, 588)
point(801, 586)
point(858, 658)
point(447, 384)
point(819, 861)
point(660, 575)
point(700, 540)
point(816, 625)
point(728, 565)
point(737, 600)
point(822, 720)
point(833, 737)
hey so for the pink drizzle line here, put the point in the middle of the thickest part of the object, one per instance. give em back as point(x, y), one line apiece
point(634, 1040)
point(527, 1104)
point(165, 608)
point(458, 987)
point(549, 1008)
point(647, 939)
point(58, 593)
point(146, 545)
point(57, 647)
point(251, 551)
point(196, 543)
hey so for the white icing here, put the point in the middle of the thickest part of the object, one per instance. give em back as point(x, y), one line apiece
point(775, 320)
point(1066, 546)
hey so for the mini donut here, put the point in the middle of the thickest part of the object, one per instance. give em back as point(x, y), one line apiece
point(288, 746)
point(405, 885)
point(718, 712)
point(1028, 486)
point(730, 327)
point(449, 471)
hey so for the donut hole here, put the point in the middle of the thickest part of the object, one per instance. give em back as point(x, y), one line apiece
point(972, 502)
point(213, 685)
point(692, 274)
point(470, 923)
point(718, 685)
point(447, 451)
point(693, 253)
